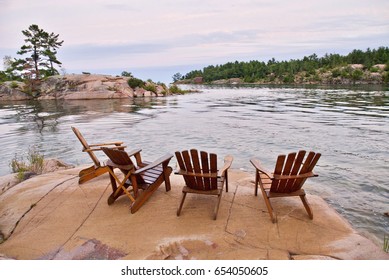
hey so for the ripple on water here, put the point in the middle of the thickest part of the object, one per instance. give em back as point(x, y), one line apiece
point(348, 127)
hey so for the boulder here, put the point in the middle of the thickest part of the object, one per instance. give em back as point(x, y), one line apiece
point(53, 164)
point(356, 66)
point(381, 67)
point(161, 90)
point(198, 80)
point(11, 91)
point(139, 92)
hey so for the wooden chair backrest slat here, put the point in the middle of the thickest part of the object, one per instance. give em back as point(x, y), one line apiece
point(188, 167)
point(278, 170)
point(213, 163)
point(205, 164)
point(197, 168)
point(286, 171)
point(181, 165)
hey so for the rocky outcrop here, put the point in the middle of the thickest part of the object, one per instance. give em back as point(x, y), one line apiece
point(51, 216)
point(13, 91)
point(85, 86)
point(75, 87)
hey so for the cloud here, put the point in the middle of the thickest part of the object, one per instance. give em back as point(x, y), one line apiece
point(108, 34)
point(98, 51)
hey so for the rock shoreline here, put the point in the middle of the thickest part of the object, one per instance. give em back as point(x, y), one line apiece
point(83, 86)
point(51, 216)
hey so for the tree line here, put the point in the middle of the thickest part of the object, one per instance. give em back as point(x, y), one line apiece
point(285, 71)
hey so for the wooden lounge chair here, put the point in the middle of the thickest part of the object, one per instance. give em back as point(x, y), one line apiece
point(97, 168)
point(287, 180)
point(201, 175)
point(140, 177)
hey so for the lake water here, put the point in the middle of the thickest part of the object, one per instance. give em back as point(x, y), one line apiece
point(350, 127)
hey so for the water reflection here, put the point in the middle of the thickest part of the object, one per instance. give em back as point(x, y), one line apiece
point(43, 115)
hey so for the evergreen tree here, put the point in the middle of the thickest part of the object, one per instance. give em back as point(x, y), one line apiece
point(176, 77)
point(42, 48)
point(52, 45)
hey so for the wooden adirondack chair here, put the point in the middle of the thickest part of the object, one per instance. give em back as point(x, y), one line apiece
point(138, 175)
point(287, 180)
point(97, 168)
point(201, 175)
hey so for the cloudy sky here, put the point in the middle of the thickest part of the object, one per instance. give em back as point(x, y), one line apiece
point(155, 39)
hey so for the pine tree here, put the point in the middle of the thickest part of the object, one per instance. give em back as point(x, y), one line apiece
point(43, 49)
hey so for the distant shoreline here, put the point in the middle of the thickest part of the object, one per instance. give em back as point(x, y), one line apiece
point(353, 74)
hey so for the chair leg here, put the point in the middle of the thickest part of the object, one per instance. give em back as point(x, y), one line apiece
point(144, 196)
point(116, 192)
point(226, 182)
point(256, 183)
point(270, 209)
point(217, 205)
point(167, 172)
point(306, 205)
point(119, 190)
point(181, 204)
point(112, 198)
point(268, 205)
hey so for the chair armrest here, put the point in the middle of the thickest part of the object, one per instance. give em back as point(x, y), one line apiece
point(106, 144)
point(257, 164)
point(161, 160)
point(99, 148)
point(227, 164)
point(136, 153)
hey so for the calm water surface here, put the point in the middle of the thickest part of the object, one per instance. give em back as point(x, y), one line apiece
point(349, 127)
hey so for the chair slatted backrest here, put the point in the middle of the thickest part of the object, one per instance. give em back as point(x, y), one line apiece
point(86, 147)
point(202, 169)
point(293, 164)
point(118, 157)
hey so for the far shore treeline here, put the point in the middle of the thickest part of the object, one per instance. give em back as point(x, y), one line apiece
point(371, 66)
